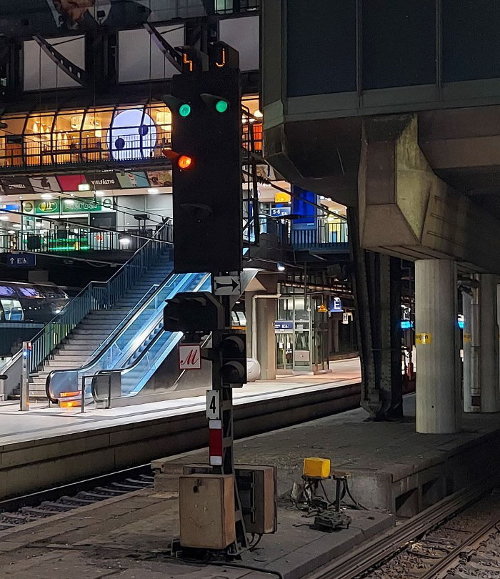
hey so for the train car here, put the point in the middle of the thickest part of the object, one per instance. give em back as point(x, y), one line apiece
point(30, 302)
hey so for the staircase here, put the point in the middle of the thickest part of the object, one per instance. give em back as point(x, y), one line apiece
point(78, 347)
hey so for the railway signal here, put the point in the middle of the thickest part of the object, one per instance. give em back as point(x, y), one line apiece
point(206, 167)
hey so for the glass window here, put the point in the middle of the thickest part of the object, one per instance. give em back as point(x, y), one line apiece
point(38, 138)
point(132, 134)
point(96, 123)
point(11, 141)
point(162, 118)
point(66, 136)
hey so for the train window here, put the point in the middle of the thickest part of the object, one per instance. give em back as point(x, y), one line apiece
point(29, 292)
point(12, 309)
point(6, 291)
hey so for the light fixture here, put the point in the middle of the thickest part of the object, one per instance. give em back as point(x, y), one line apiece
point(258, 114)
point(46, 196)
point(17, 225)
point(84, 187)
point(153, 191)
point(281, 267)
point(4, 218)
point(11, 232)
point(99, 193)
point(125, 241)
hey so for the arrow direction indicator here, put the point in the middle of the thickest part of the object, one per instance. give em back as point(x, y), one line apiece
point(227, 285)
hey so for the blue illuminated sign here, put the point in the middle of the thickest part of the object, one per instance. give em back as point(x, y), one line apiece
point(406, 324)
point(277, 211)
point(283, 325)
point(336, 305)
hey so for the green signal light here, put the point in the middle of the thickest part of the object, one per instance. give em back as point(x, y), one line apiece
point(221, 106)
point(185, 110)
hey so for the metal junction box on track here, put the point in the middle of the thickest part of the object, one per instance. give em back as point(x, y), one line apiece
point(207, 511)
point(257, 488)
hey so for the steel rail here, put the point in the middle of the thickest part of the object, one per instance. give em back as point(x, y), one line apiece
point(450, 558)
point(386, 546)
point(53, 493)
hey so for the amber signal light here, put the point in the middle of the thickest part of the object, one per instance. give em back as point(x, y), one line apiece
point(185, 162)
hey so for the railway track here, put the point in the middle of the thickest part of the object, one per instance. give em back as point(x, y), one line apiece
point(478, 556)
point(43, 504)
point(425, 544)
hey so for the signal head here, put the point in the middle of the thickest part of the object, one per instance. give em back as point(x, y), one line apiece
point(219, 104)
point(177, 106)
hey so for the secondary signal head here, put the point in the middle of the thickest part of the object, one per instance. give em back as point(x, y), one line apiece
point(219, 104)
point(176, 105)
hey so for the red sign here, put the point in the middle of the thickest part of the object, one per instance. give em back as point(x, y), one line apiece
point(70, 182)
point(189, 357)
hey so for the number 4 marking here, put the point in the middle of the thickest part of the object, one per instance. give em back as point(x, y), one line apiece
point(213, 405)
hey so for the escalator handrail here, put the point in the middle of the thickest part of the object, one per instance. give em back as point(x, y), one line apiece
point(150, 324)
point(157, 320)
point(157, 336)
point(129, 319)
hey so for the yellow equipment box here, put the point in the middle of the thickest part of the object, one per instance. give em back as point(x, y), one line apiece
point(317, 467)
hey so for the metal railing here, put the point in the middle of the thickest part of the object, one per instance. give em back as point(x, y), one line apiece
point(96, 296)
point(74, 239)
point(33, 150)
point(324, 235)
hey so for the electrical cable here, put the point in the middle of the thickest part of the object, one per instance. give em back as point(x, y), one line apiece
point(266, 181)
point(357, 504)
point(253, 545)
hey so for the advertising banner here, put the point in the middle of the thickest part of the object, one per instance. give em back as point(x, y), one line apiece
point(23, 18)
point(16, 185)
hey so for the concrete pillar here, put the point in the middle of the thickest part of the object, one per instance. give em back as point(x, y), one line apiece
point(488, 363)
point(265, 308)
point(251, 324)
point(437, 394)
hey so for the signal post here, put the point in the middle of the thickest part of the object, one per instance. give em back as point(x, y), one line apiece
point(206, 160)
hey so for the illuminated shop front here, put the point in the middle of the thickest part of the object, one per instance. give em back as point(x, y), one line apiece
point(138, 132)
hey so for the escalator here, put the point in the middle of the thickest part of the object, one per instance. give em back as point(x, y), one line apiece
point(135, 349)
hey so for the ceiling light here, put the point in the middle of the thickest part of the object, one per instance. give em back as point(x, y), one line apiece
point(84, 187)
point(46, 196)
point(281, 267)
point(11, 231)
point(125, 241)
point(258, 114)
point(17, 225)
point(99, 193)
point(153, 191)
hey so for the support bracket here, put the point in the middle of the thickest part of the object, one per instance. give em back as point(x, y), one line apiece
point(72, 70)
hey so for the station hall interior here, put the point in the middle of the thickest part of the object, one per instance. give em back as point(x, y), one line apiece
point(361, 319)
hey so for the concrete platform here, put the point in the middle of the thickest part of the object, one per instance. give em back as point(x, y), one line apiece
point(129, 539)
point(392, 468)
point(49, 446)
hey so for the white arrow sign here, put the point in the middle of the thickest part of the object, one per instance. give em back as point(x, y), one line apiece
point(227, 285)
